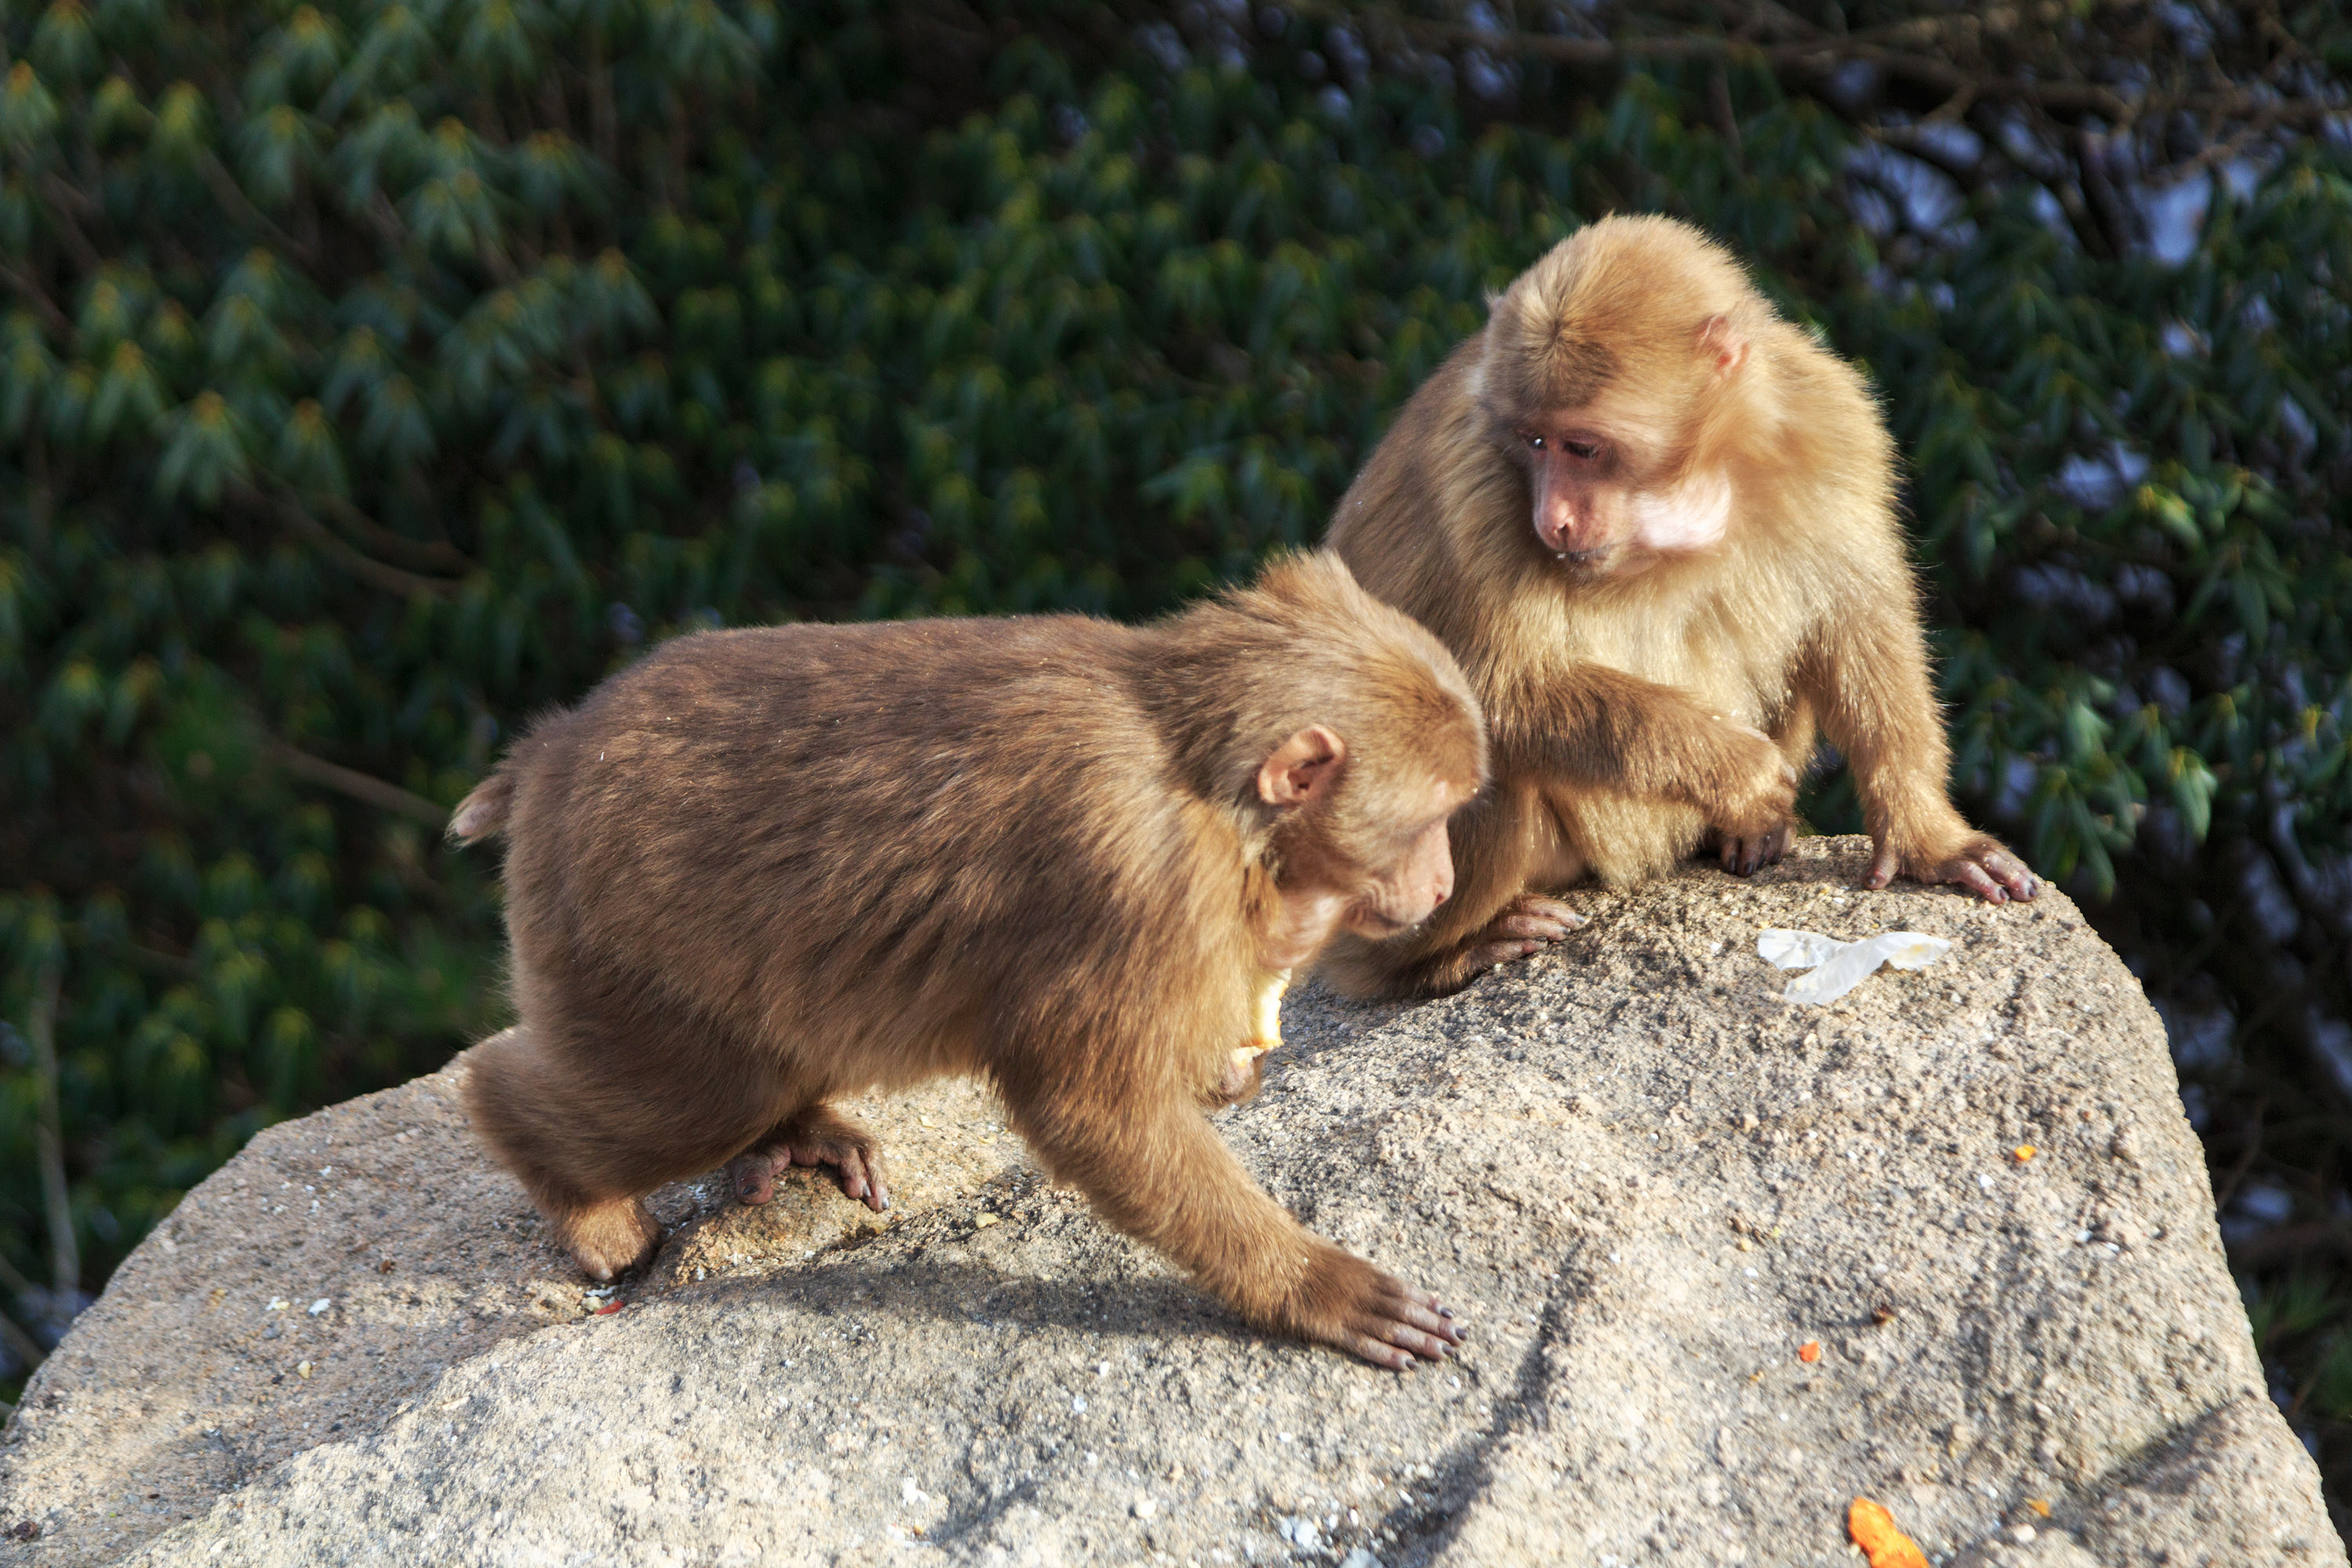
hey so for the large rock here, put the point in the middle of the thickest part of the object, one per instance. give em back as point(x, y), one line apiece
point(1651, 1182)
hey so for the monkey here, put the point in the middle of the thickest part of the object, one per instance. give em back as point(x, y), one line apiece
point(1655, 523)
point(764, 869)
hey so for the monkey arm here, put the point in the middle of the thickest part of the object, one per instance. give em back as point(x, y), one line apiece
point(1585, 723)
point(1154, 1169)
point(1865, 672)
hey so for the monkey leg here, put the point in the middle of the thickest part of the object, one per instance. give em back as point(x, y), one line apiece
point(814, 1135)
point(606, 1238)
point(524, 1109)
point(1154, 1169)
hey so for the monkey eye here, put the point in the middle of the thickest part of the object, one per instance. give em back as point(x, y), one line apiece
point(1586, 450)
point(1532, 439)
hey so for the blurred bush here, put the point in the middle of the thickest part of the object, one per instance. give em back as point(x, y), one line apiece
point(376, 373)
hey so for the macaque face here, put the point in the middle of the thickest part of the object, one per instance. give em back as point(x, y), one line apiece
point(1604, 505)
point(1412, 872)
point(1374, 862)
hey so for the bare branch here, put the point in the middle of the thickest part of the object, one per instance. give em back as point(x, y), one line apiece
point(359, 786)
point(56, 1199)
point(29, 288)
point(296, 518)
point(427, 552)
point(1813, 53)
point(28, 1350)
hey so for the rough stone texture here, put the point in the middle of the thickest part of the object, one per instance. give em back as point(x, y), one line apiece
point(186, 1378)
point(1650, 1181)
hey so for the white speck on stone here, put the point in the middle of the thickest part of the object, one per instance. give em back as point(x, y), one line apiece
point(1078, 1405)
point(912, 1495)
point(1102, 1369)
point(1146, 1507)
point(2021, 1533)
point(320, 1305)
point(1282, 1436)
point(1300, 1532)
point(1984, 1180)
point(1359, 1558)
point(280, 1303)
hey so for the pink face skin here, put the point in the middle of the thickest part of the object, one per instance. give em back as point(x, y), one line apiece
point(1597, 512)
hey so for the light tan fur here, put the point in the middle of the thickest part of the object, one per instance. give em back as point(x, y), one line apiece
point(764, 869)
point(1644, 694)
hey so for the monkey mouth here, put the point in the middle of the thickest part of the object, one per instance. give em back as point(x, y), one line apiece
point(1379, 925)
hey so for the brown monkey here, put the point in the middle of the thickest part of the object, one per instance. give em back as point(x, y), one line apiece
point(763, 870)
point(1655, 523)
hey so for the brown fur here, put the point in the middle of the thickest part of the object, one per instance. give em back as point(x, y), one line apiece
point(1641, 699)
point(763, 870)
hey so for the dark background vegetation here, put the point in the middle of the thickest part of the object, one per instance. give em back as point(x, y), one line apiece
point(374, 372)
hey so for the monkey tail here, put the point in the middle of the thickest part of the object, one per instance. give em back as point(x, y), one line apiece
point(483, 812)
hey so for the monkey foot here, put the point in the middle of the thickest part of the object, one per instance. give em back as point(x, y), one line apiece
point(817, 1136)
point(610, 1238)
point(1982, 865)
point(1352, 1306)
point(1527, 924)
point(1742, 856)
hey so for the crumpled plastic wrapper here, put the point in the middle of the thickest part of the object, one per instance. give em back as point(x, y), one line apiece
point(1837, 968)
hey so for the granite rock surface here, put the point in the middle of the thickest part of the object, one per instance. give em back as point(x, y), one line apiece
point(1730, 1262)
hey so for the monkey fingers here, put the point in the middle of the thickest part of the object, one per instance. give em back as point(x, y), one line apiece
point(1744, 856)
point(1353, 1306)
point(819, 1135)
point(1527, 924)
point(1981, 865)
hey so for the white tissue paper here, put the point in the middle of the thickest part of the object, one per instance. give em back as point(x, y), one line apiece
point(1839, 966)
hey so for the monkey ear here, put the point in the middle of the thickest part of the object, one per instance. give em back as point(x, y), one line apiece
point(1718, 337)
point(1303, 769)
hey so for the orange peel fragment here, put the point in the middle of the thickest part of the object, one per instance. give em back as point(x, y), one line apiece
point(1809, 1352)
point(2023, 1152)
point(1873, 1528)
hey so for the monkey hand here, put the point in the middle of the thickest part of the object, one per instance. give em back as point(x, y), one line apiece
point(1754, 797)
point(1527, 924)
point(1238, 1080)
point(1742, 856)
point(1347, 1303)
point(1978, 862)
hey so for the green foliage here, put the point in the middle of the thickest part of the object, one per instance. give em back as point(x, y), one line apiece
point(374, 373)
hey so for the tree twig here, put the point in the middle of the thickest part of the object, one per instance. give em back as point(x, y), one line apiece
point(28, 1350)
point(433, 552)
point(1818, 55)
point(25, 284)
point(293, 515)
point(56, 1203)
point(359, 786)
